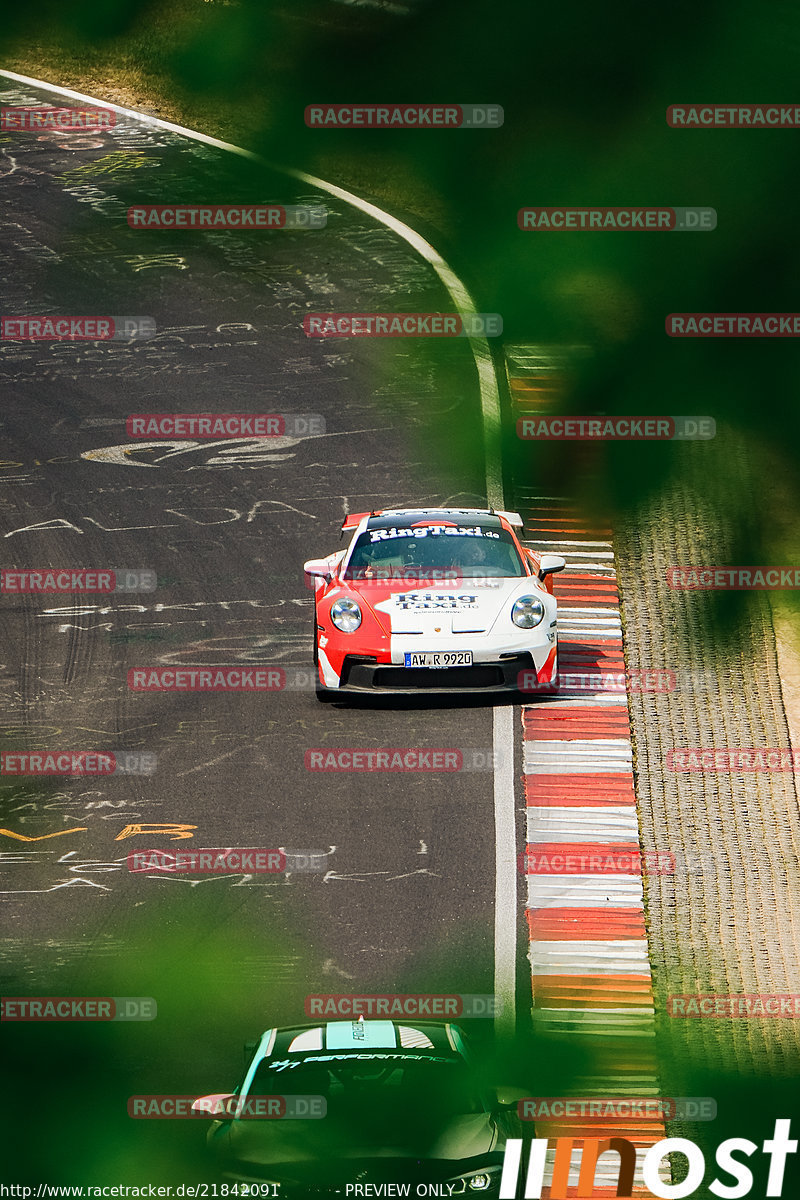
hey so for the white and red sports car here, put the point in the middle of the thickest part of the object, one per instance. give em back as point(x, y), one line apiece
point(432, 600)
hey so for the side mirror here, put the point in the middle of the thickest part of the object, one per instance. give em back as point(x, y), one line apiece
point(550, 563)
point(318, 568)
point(216, 1107)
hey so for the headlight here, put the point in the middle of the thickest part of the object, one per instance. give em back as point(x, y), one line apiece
point(475, 1181)
point(479, 1183)
point(346, 615)
point(527, 612)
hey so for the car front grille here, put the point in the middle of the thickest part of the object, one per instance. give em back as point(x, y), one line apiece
point(434, 677)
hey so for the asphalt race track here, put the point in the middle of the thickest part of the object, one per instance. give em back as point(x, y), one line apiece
point(402, 897)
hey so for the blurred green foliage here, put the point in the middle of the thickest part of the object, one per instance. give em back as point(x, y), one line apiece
point(584, 92)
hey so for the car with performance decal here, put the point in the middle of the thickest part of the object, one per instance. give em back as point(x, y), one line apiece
point(362, 1102)
point(431, 600)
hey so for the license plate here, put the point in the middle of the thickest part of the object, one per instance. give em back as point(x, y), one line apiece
point(439, 658)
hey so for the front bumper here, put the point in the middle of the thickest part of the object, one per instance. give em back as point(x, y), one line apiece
point(363, 674)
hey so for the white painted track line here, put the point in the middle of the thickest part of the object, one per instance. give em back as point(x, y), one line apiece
point(506, 868)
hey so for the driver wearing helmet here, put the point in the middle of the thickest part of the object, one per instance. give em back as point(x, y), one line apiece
point(474, 554)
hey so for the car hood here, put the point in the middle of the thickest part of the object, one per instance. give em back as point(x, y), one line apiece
point(268, 1143)
point(472, 607)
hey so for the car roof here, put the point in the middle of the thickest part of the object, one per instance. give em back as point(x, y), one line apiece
point(355, 1037)
point(411, 516)
point(381, 518)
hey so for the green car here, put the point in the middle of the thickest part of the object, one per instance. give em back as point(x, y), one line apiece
point(362, 1108)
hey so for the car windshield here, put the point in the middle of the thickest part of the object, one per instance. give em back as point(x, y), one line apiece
point(434, 551)
point(399, 1087)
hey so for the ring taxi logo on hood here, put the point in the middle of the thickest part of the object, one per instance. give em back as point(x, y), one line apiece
point(431, 600)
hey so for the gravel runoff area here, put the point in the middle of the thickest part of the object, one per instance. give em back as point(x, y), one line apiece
point(728, 921)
